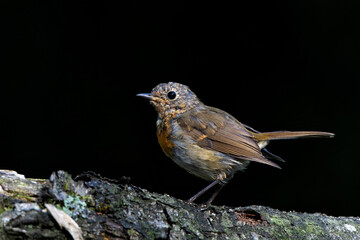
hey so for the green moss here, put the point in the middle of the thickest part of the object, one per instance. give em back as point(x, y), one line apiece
point(313, 228)
point(151, 234)
point(133, 234)
point(295, 227)
point(193, 227)
point(103, 208)
point(23, 196)
point(278, 220)
point(225, 221)
point(4, 207)
point(67, 183)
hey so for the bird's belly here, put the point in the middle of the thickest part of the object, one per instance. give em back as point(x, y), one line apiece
point(204, 163)
point(197, 161)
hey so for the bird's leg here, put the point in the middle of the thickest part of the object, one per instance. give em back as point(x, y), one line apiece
point(193, 198)
point(207, 204)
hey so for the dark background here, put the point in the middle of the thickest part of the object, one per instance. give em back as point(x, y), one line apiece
point(71, 72)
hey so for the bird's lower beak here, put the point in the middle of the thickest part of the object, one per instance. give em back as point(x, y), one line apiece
point(145, 95)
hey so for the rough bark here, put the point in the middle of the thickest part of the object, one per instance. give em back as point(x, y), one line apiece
point(104, 209)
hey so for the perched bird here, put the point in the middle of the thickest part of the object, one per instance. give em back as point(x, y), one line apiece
point(206, 141)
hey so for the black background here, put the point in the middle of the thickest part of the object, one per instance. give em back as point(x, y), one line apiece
point(71, 72)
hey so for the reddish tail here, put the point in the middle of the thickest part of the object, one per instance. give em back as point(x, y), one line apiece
point(290, 135)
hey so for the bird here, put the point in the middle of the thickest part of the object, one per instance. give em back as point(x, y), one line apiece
point(208, 142)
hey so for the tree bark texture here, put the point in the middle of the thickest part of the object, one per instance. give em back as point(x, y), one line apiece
point(105, 209)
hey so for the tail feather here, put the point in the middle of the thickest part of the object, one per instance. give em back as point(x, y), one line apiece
point(270, 155)
point(290, 135)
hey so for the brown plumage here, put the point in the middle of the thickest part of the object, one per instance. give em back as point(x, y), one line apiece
point(207, 141)
point(223, 134)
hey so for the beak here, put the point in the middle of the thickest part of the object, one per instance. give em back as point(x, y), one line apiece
point(145, 95)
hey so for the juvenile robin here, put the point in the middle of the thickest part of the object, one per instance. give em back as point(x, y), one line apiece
point(208, 142)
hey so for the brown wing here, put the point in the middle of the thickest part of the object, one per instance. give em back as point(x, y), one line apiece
point(214, 129)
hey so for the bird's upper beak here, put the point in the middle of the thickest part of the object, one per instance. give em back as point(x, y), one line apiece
point(150, 97)
point(145, 95)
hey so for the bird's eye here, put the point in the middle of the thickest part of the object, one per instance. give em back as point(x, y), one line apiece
point(171, 95)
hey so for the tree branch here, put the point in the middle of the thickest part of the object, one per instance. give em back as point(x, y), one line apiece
point(104, 209)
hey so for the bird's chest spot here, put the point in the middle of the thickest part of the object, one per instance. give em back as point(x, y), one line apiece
point(164, 133)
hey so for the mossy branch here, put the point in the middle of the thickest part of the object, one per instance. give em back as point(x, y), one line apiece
point(104, 209)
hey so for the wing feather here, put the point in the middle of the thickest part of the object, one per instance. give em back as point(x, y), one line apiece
point(214, 129)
